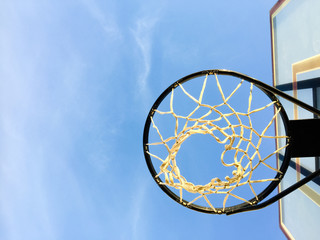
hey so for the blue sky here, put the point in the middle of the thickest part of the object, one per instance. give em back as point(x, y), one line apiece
point(77, 79)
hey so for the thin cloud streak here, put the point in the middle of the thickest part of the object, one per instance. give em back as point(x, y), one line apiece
point(143, 33)
point(106, 21)
point(138, 221)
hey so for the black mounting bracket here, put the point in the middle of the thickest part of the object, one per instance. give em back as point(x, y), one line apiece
point(304, 137)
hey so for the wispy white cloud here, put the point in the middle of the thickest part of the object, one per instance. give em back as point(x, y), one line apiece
point(143, 35)
point(107, 20)
point(138, 220)
point(20, 186)
point(137, 216)
point(39, 101)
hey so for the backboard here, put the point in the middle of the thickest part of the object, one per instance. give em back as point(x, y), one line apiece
point(295, 37)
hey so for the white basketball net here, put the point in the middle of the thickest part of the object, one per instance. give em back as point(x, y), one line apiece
point(231, 140)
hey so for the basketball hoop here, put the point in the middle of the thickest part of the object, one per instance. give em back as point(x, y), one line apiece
point(230, 120)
